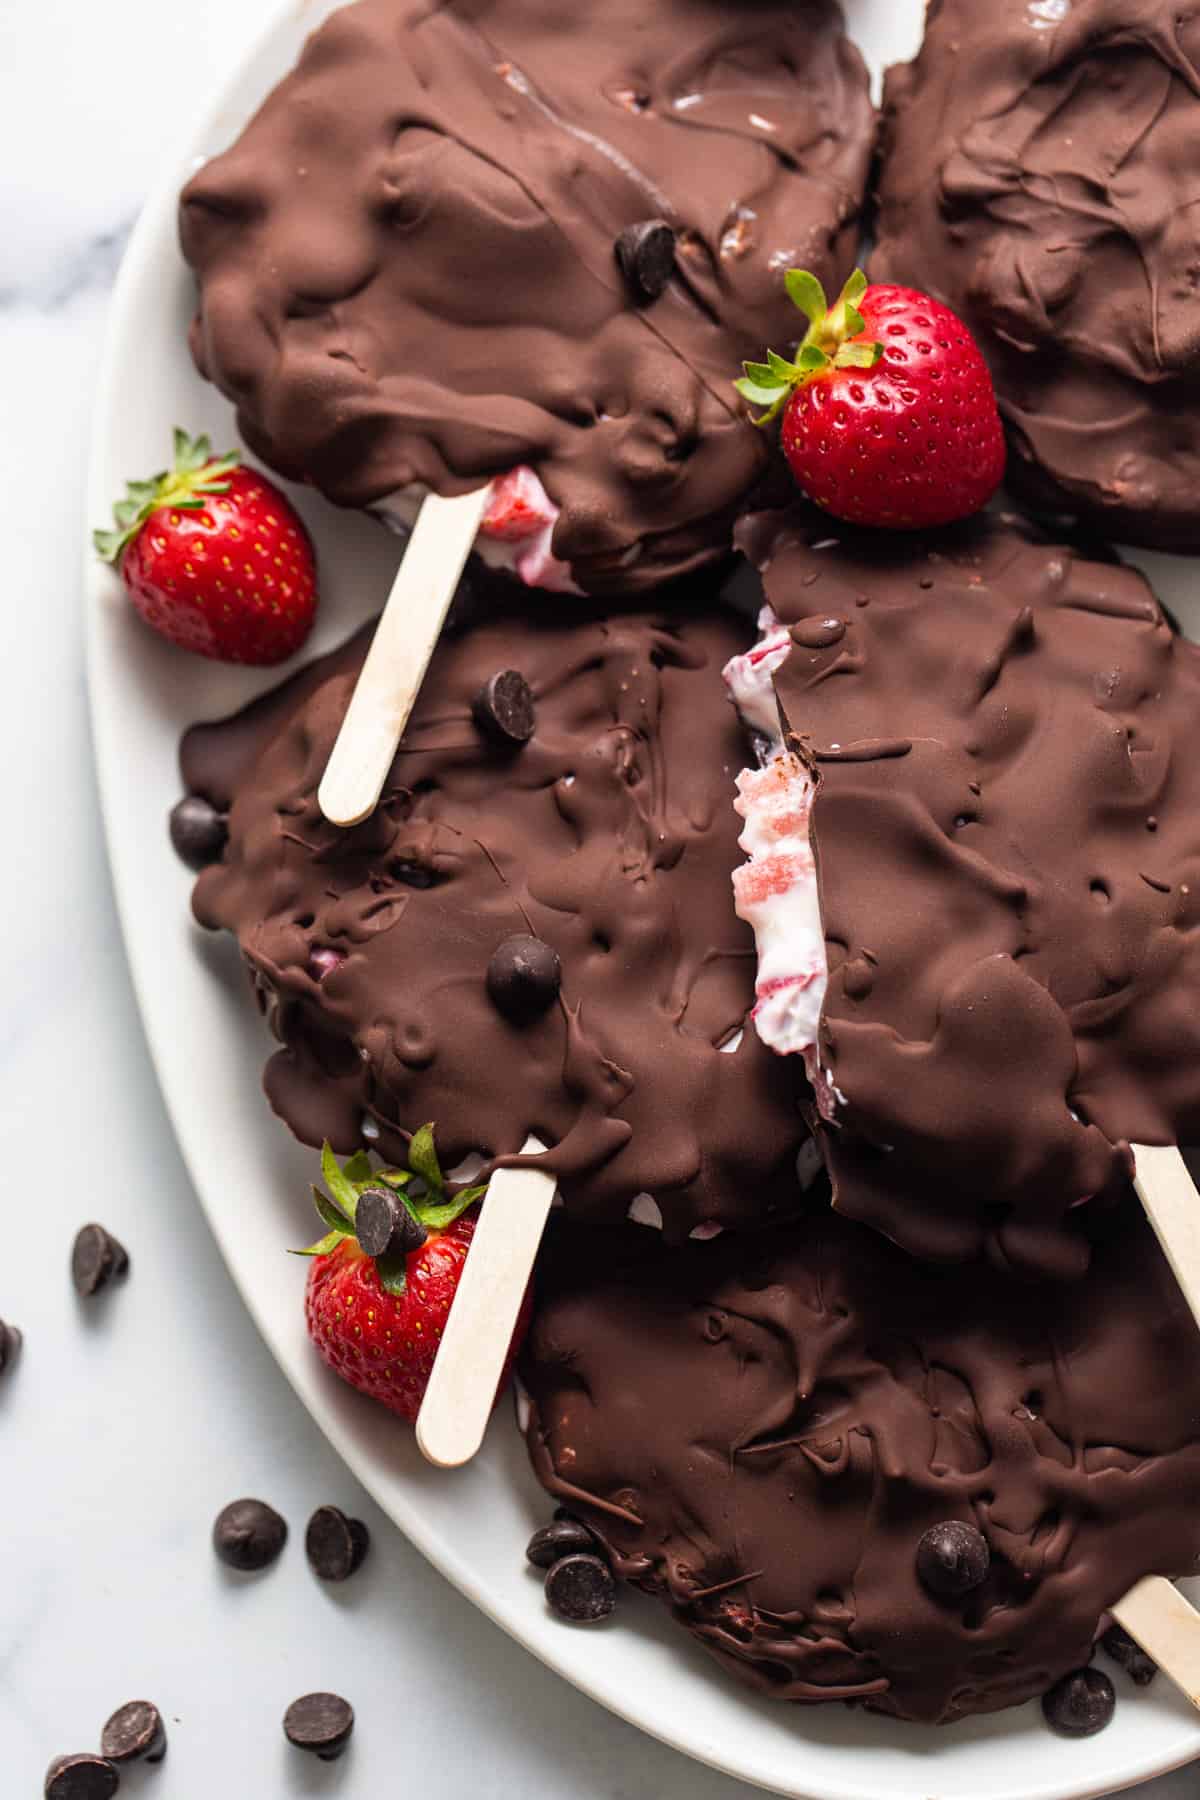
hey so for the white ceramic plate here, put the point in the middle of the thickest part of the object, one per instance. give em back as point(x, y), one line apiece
point(252, 1181)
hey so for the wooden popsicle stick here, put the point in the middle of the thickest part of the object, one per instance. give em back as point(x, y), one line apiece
point(395, 666)
point(1167, 1626)
point(1168, 1193)
point(462, 1388)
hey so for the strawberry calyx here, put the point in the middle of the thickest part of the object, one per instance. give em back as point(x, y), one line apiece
point(421, 1189)
point(194, 476)
point(833, 341)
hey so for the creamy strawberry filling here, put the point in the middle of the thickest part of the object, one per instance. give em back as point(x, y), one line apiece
point(515, 533)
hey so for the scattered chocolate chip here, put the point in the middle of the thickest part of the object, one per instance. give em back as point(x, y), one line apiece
point(134, 1733)
point(95, 1259)
point(83, 1777)
point(523, 978)
point(952, 1558)
point(1128, 1654)
point(564, 1538)
point(321, 1723)
point(646, 254)
point(581, 1588)
point(10, 1344)
point(334, 1544)
point(248, 1535)
point(198, 831)
point(504, 707)
point(384, 1226)
point(1081, 1704)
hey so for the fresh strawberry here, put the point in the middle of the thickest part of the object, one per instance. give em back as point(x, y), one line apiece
point(377, 1320)
point(889, 415)
point(215, 558)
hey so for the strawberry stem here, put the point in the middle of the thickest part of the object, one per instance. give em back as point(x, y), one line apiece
point(833, 340)
point(194, 477)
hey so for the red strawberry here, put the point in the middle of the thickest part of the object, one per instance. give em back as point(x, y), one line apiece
point(889, 416)
point(519, 507)
point(377, 1320)
point(215, 558)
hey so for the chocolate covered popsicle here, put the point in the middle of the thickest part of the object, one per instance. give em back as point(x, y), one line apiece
point(975, 874)
point(512, 238)
point(849, 1477)
point(533, 933)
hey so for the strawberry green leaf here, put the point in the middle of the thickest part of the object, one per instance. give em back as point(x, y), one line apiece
point(858, 356)
point(812, 358)
point(760, 372)
point(343, 1191)
point(332, 1215)
point(780, 369)
point(323, 1247)
point(108, 545)
point(758, 393)
point(806, 292)
point(396, 1178)
point(423, 1161)
point(440, 1218)
point(854, 289)
point(393, 1274)
point(358, 1167)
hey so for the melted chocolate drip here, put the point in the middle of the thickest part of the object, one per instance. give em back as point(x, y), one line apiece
point(1041, 176)
point(406, 262)
point(610, 836)
point(760, 1430)
point(1023, 883)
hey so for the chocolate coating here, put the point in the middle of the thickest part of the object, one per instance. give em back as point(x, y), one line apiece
point(1007, 833)
point(407, 268)
point(611, 838)
point(760, 1429)
point(1041, 175)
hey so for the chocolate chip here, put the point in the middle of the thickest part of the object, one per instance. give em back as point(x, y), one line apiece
point(248, 1535)
point(334, 1544)
point(199, 832)
point(1128, 1654)
point(952, 1558)
point(646, 254)
point(83, 1777)
point(134, 1733)
point(384, 1226)
point(10, 1344)
point(96, 1259)
point(1080, 1704)
point(581, 1588)
point(523, 978)
point(504, 708)
point(553, 1542)
point(321, 1723)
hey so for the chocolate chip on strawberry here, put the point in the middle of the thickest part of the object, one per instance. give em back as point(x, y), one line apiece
point(319, 1723)
point(952, 1559)
point(889, 414)
point(248, 1535)
point(335, 1544)
point(385, 1226)
point(377, 1320)
point(134, 1733)
point(198, 831)
point(96, 1259)
point(214, 558)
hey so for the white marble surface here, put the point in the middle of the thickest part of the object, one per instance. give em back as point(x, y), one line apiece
point(128, 1423)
